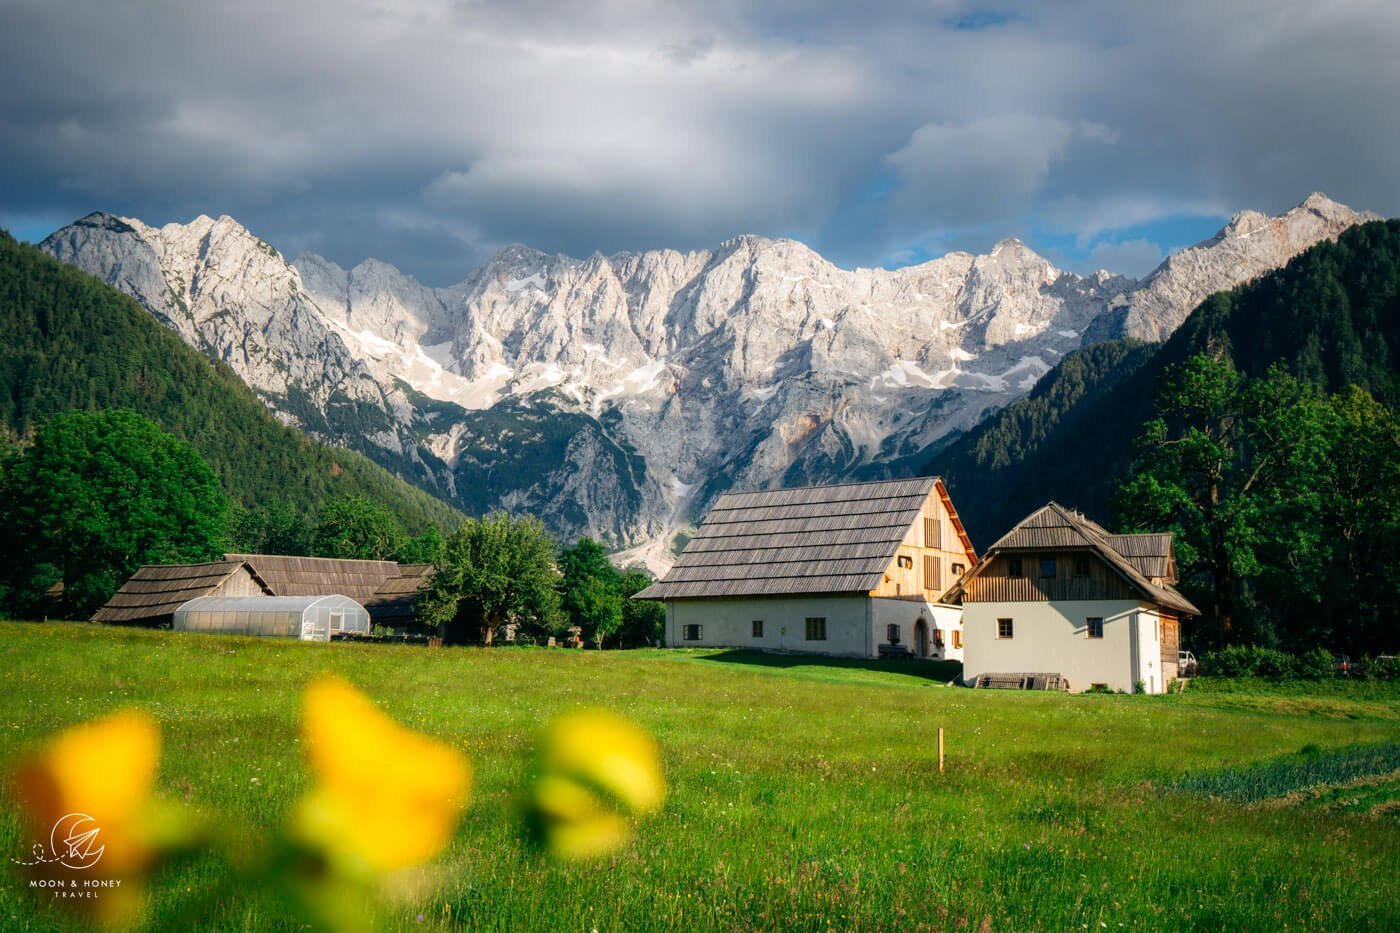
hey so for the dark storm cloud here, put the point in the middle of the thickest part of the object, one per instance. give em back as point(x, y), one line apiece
point(429, 133)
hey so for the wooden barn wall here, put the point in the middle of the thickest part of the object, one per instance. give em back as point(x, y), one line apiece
point(943, 546)
point(995, 584)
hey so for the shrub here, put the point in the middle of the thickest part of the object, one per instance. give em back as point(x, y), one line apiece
point(1316, 664)
point(1248, 661)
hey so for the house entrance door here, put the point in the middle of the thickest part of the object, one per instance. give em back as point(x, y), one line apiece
point(921, 638)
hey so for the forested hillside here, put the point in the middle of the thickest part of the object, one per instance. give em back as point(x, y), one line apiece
point(71, 342)
point(1331, 318)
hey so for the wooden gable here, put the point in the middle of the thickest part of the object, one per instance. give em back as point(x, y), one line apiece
point(935, 552)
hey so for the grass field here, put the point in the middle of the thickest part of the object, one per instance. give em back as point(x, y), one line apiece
point(802, 795)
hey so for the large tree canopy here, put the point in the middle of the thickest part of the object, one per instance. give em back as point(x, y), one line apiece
point(494, 571)
point(356, 527)
point(96, 495)
point(1285, 504)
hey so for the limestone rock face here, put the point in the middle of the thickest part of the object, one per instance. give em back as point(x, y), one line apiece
point(1249, 246)
point(617, 396)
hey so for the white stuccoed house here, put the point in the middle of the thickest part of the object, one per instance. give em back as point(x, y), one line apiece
point(1061, 600)
point(855, 570)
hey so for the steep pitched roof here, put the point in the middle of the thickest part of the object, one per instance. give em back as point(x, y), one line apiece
point(1151, 554)
point(394, 602)
point(1055, 527)
point(157, 590)
point(815, 539)
point(320, 576)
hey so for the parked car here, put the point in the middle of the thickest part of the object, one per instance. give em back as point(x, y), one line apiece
point(1185, 664)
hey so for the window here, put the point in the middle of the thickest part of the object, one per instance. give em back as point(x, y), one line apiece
point(816, 629)
point(690, 633)
point(957, 638)
point(905, 562)
point(1047, 566)
point(892, 633)
point(958, 570)
point(930, 572)
point(1005, 628)
point(938, 637)
point(933, 535)
point(1095, 628)
point(757, 628)
point(1081, 566)
point(1013, 567)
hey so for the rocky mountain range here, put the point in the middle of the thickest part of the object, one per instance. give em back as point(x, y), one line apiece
point(617, 396)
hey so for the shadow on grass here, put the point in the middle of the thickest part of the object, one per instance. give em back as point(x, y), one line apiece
point(939, 671)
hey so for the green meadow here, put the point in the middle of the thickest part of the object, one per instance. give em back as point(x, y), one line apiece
point(802, 794)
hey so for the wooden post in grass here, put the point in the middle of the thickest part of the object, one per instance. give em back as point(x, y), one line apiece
point(940, 749)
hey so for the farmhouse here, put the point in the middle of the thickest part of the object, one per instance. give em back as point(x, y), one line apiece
point(387, 591)
point(856, 569)
point(1062, 599)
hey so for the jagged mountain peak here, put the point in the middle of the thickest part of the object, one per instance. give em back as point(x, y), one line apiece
point(655, 380)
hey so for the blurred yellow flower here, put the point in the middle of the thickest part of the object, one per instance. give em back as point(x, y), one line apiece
point(87, 795)
point(386, 798)
point(594, 768)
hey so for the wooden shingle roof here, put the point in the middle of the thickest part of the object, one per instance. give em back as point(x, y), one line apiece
point(157, 590)
point(396, 599)
point(1055, 527)
point(320, 576)
point(816, 539)
point(1150, 554)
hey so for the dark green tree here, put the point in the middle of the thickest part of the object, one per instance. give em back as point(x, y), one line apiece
point(1282, 500)
point(94, 496)
point(495, 571)
point(423, 549)
point(592, 590)
point(275, 528)
point(643, 620)
point(357, 527)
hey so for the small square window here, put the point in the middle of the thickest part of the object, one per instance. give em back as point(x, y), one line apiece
point(690, 633)
point(1081, 566)
point(757, 628)
point(1005, 628)
point(959, 569)
point(1013, 567)
point(1047, 566)
point(892, 633)
point(906, 562)
point(1095, 627)
point(816, 629)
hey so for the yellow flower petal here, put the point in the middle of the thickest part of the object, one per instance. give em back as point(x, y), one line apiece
point(593, 768)
point(608, 752)
point(105, 769)
point(386, 798)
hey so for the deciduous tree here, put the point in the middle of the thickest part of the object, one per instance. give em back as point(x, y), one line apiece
point(494, 571)
point(94, 496)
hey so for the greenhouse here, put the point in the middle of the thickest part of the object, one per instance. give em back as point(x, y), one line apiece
point(309, 618)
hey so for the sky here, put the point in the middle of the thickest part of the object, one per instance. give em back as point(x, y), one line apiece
point(429, 133)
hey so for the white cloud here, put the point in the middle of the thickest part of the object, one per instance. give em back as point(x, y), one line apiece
point(1134, 258)
point(607, 124)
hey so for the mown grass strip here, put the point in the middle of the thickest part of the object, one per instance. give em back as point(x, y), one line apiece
point(1310, 768)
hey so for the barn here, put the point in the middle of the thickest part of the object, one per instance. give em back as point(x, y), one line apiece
point(387, 590)
point(854, 569)
point(153, 593)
